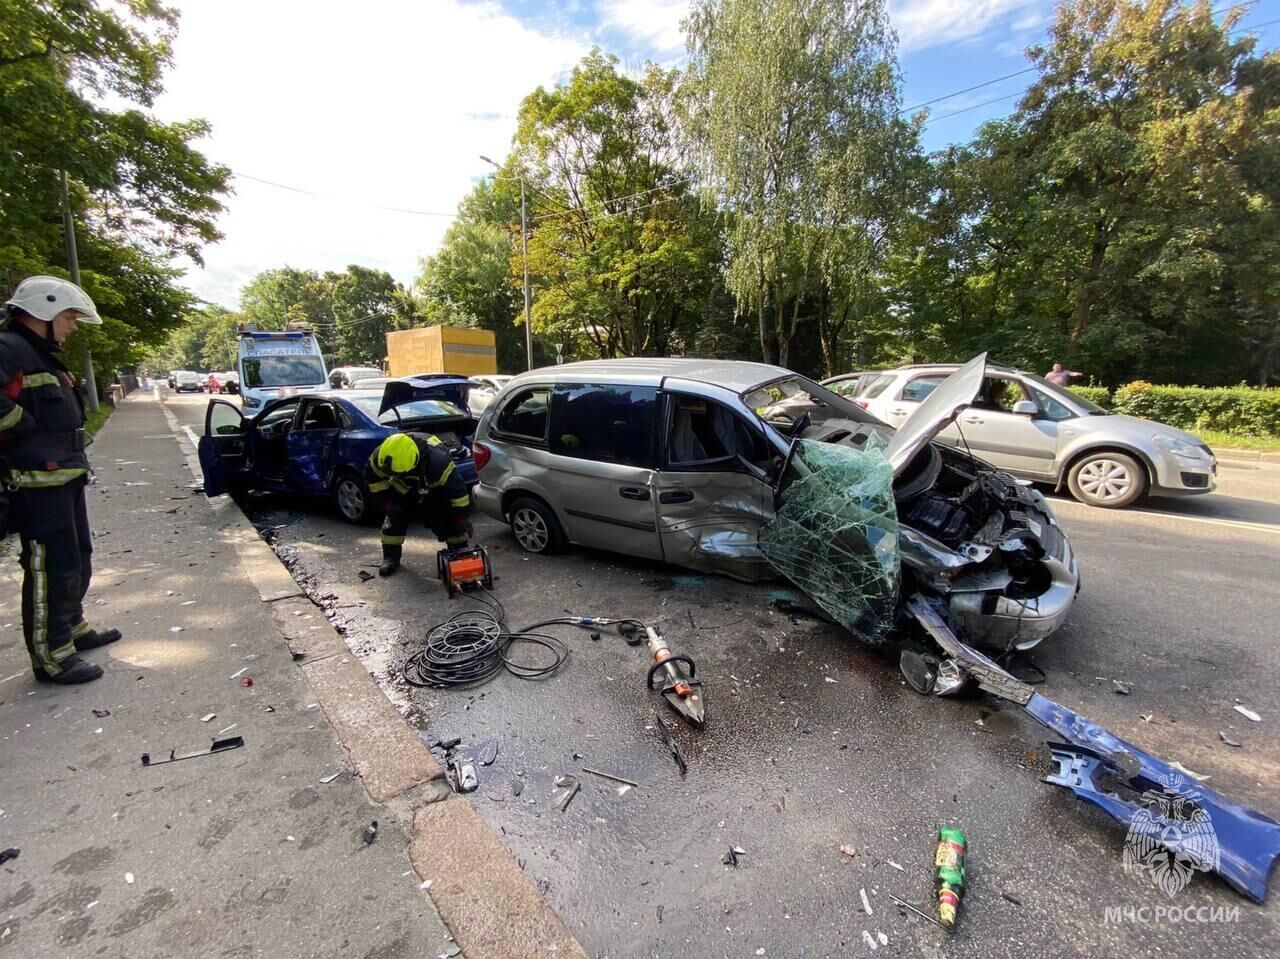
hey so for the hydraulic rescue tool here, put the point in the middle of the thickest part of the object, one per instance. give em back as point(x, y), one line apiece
point(464, 568)
point(681, 690)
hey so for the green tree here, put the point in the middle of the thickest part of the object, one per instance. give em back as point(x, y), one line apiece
point(1124, 219)
point(794, 112)
point(366, 304)
point(621, 252)
point(140, 192)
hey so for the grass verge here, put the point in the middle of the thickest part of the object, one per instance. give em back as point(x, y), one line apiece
point(95, 420)
point(1268, 444)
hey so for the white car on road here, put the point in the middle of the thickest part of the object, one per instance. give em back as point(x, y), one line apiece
point(1037, 431)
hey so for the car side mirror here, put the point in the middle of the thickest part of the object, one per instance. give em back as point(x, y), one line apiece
point(1025, 408)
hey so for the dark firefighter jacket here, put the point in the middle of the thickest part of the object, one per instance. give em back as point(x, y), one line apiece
point(435, 473)
point(41, 414)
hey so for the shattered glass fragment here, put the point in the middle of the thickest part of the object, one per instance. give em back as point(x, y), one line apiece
point(835, 534)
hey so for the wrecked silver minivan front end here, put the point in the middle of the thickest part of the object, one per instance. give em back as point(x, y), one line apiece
point(862, 525)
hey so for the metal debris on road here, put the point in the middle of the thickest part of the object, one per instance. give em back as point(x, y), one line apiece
point(223, 732)
point(13, 852)
point(207, 717)
point(604, 775)
point(1248, 714)
point(330, 778)
point(218, 746)
point(371, 832)
point(730, 858)
point(848, 850)
point(871, 943)
point(240, 673)
point(128, 878)
point(563, 781)
point(895, 865)
point(564, 803)
point(923, 915)
point(102, 713)
point(365, 575)
point(1122, 688)
point(1228, 740)
point(866, 903)
point(672, 745)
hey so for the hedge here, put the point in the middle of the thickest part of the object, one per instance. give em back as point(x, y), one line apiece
point(1242, 410)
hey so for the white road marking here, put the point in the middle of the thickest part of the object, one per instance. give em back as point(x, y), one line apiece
point(1208, 520)
point(191, 435)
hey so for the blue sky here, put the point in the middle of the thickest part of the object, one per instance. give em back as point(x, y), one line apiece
point(375, 113)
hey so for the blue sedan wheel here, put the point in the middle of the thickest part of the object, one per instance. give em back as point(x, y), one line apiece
point(352, 497)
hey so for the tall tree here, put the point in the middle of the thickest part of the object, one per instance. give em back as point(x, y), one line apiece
point(795, 115)
point(77, 79)
point(1126, 214)
point(620, 250)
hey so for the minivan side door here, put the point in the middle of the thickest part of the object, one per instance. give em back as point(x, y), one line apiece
point(712, 491)
point(603, 444)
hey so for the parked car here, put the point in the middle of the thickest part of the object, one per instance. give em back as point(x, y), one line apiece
point(683, 460)
point(187, 381)
point(1047, 434)
point(848, 384)
point(224, 381)
point(352, 377)
point(318, 444)
point(484, 390)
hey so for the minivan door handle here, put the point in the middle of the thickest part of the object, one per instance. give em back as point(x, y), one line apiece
point(676, 496)
point(633, 492)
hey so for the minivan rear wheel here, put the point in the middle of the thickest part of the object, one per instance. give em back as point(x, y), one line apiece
point(535, 526)
point(1107, 479)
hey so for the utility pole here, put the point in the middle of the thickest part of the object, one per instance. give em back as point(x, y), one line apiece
point(524, 252)
point(73, 264)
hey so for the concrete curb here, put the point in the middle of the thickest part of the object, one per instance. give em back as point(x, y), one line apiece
point(470, 870)
point(1246, 456)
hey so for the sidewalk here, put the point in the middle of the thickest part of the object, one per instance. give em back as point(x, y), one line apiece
point(249, 852)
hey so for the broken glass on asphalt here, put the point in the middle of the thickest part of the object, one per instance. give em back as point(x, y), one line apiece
point(835, 534)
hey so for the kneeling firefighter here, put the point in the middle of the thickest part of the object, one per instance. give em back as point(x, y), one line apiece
point(43, 475)
point(413, 475)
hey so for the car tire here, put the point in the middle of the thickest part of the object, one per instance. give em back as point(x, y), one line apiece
point(352, 497)
point(1107, 479)
point(535, 527)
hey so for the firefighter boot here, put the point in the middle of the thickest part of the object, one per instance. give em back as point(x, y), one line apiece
point(95, 638)
point(389, 566)
point(74, 670)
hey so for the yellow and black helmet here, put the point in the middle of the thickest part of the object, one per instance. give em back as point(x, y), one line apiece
point(398, 454)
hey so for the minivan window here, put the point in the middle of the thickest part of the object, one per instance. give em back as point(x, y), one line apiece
point(609, 424)
point(525, 414)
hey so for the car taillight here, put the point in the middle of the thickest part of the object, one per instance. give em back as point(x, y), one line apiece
point(480, 455)
point(862, 403)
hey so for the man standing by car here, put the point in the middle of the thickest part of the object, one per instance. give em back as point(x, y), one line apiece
point(1060, 377)
point(45, 472)
point(413, 473)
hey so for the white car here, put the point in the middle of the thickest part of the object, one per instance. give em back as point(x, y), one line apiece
point(484, 390)
point(1044, 433)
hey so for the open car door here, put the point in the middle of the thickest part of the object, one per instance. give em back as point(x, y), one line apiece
point(224, 449)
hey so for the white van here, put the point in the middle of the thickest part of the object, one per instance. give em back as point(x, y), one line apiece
point(276, 364)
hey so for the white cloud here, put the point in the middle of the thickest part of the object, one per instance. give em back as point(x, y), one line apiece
point(652, 26)
point(382, 103)
point(930, 23)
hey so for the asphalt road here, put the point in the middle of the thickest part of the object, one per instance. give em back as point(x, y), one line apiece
point(814, 742)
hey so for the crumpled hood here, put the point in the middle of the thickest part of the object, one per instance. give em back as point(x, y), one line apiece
point(941, 406)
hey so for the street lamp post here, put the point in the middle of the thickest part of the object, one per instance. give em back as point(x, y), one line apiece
point(524, 252)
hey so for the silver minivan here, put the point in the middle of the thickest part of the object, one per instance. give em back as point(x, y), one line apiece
point(681, 460)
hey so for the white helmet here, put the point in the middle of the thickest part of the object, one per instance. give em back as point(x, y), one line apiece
point(44, 297)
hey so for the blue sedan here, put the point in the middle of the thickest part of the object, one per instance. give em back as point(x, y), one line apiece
point(318, 444)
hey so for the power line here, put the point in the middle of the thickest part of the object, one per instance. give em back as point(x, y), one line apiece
point(616, 199)
point(1019, 73)
point(336, 199)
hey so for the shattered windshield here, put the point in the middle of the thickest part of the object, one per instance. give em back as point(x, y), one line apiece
point(835, 534)
point(783, 403)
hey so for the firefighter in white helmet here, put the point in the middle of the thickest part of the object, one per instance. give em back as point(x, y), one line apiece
point(44, 472)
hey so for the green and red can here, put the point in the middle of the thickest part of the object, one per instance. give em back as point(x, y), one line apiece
point(949, 862)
